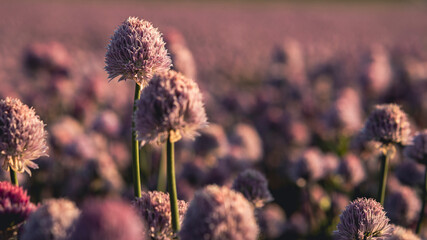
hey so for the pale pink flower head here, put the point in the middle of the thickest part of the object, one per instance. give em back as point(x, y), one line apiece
point(417, 150)
point(401, 233)
point(136, 52)
point(23, 137)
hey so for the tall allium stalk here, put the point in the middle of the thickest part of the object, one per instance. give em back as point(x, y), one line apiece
point(170, 107)
point(136, 52)
point(389, 125)
point(418, 151)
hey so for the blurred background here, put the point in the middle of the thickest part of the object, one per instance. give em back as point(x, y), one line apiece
point(287, 88)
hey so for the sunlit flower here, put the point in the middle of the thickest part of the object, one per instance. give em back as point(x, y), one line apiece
point(254, 186)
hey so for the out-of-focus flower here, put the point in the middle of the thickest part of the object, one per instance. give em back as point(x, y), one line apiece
point(401, 233)
point(254, 186)
point(331, 163)
point(136, 52)
point(171, 104)
point(377, 71)
point(54, 220)
point(388, 124)
point(351, 170)
point(23, 137)
point(403, 206)
point(211, 142)
point(271, 220)
point(15, 205)
point(363, 219)
point(218, 213)
point(417, 150)
point(108, 123)
point(64, 131)
point(246, 144)
point(108, 220)
point(309, 166)
point(154, 209)
point(410, 172)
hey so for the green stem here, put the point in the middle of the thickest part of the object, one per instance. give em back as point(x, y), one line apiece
point(172, 184)
point(161, 179)
point(424, 198)
point(383, 178)
point(13, 177)
point(135, 149)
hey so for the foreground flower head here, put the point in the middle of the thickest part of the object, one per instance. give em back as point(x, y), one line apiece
point(388, 124)
point(363, 219)
point(417, 151)
point(154, 208)
point(219, 213)
point(171, 104)
point(23, 137)
point(136, 51)
point(254, 186)
point(108, 220)
point(15, 205)
point(54, 220)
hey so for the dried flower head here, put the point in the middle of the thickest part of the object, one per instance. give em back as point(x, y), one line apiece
point(417, 150)
point(388, 124)
point(218, 213)
point(403, 206)
point(171, 104)
point(54, 220)
point(401, 233)
point(108, 220)
point(23, 137)
point(351, 170)
point(254, 186)
point(15, 205)
point(136, 52)
point(154, 209)
point(363, 219)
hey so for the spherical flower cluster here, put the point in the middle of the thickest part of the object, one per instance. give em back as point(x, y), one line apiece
point(254, 186)
point(211, 142)
point(171, 105)
point(15, 205)
point(400, 233)
point(108, 220)
point(136, 52)
point(154, 209)
point(246, 144)
point(54, 220)
point(403, 206)
point(388, 124)
point(23, 137)
point(218, 213)
point(417, 151)
point(309, 166)
point(272, 221)
point(351, 170)
point(363, 219)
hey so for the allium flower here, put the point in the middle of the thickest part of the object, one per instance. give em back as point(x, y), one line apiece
point(271, 220)
point(363, 219)
point(254, 186)
point(136, 52)
point(410, 172)
point(400, 233)
point(211, 142)
point(23, 137)
point(54, 220)
point(388, 124)
point(218, 213)
point(246, 144)
point(417, 150)
point(108, 220)
point(351, 170)
point(309, 166)
point(108, 123)
point(154, 209)
point(15, 205)
point(171, 104)
point(403, 206)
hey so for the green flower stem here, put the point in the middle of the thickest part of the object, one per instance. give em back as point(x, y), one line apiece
point(424, 199)
point(172, 184)
point(161, 179)
point(383, 177)
point(13, 177)
point(135, 150)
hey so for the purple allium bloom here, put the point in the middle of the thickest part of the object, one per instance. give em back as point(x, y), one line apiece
point(331, 163)
point(171, 104)
point(271, 220)
point(15, 205)
point(388, 124)
point(351, 170)
point(64, 131)
point(136, 52)
point(211, 142)
point(410, 172)
point(154, 209)
point(51, 57)
point(23, 137)
point(108, 220)
point(246, 144)
point(401, 233)
point(254, 186)
point(377, 71)
point(54, 220)
point(417, 150)
point(403, 206)
point(219, 213)
point(363, 219)
point(309, 166)
point(108, 123)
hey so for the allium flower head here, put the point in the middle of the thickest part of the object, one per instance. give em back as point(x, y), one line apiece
point(401, 233)
point(363, 219)
point(171, 104)
point(309, 166)
point(271, 220)
point(154, 209)
point(15, 205)
point(403, 206)
point(417, 150)
point(254, 186)
point(54, 220)
point(136, 52)
point(218, 213)
point(388, 124)
point(23, 137)
point(351, 170)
